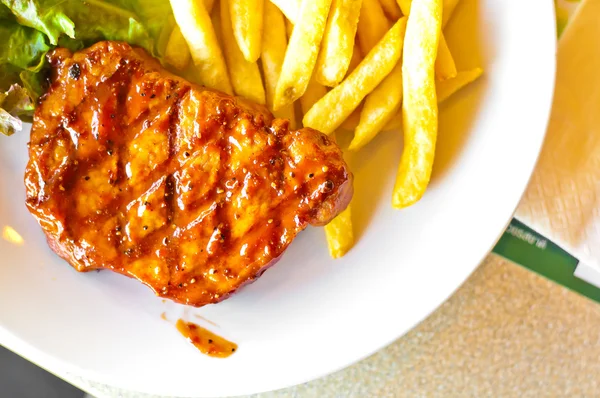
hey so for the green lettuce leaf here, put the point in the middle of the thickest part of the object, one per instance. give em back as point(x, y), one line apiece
point(45, 16)
point(14, 103)
point(5, 13)
point(31, 28)
point(22, 51)
point(21, 47)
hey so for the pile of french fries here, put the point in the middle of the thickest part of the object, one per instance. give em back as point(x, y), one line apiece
point(360, 65)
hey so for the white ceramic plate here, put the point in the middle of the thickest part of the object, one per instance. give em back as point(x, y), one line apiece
point(308, 315)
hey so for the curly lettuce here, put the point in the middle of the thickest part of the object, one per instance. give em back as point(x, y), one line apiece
point(31, 28)
point(14, 103)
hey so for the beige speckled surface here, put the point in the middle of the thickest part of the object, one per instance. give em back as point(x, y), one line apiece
point(505, 332)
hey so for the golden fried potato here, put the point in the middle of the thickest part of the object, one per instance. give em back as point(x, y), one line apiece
point(196, 26)
point(272, 54)
point(449, 6)
point(351, 122)
point(395, 123)
point(338, 42)
point(380, 107)
point(215, 18)
point(372, 25)
point(302, 52)
point(177, 53)
point(404, 6)
point(289, 8)
point(445, 68)
point(448, 9)
point(245, 75)
point(314, 92)
point(247, 24)
point(419, 106)
point(356, 59)
point(340, 233)
point(331, 110)
point(391, 9)
point(209, 4)
point(446, 88)
point(289, 28)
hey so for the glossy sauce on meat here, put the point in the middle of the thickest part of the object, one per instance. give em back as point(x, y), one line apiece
point(206, 341)
point(191, 191)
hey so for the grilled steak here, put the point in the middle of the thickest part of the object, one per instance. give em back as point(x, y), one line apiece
point(191, 191)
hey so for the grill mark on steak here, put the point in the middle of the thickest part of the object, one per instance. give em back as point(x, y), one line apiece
point(82, 166)
point(188, 190)
point(119, 119)
point(171, 253)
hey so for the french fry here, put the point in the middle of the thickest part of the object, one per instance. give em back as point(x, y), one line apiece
point(372, 25)
point(419, 106)
point(404, 6)
point(247, 24)
point(445, 68)
point(302, 52)
point(391, 9)
point(209, 4)
point(446, 88)
point(272, 54)
point(355, 60)
point(449, 6)
point(380, 107)
point(351, 122)
point(177, 52)
point(245, 75)
point(289, 28)
point(165, 34)
point(215, 18)
point(314, 92)
point(448, 9)
point(331, 110)
point(395, 123)
point(289, 8)
point(198, 31)
point(338, 42)
point(340, 234)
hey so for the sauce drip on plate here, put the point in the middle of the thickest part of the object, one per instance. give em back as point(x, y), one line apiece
point(206, 341)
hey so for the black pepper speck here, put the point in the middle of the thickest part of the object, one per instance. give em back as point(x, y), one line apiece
point(75, 71)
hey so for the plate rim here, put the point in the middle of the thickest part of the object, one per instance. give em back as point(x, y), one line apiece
point(47, 362)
